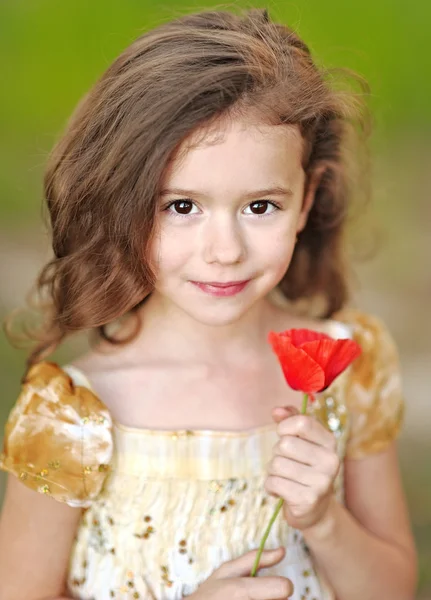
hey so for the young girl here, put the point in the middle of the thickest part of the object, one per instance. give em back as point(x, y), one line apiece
point(198, 200)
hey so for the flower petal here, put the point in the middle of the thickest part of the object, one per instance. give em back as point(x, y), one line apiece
point(301, 336)
point(300, 370)
point(334, 356)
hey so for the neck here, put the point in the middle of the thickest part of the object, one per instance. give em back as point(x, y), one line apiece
point(168, 330)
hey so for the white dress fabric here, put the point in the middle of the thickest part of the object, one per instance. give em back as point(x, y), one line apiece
point(163, 509)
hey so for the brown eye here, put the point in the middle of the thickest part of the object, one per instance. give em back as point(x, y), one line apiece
point(183, 207)
point(259, 208)
point(262, 208)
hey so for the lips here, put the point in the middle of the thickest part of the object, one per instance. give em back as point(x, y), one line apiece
point(220, 284)
point(221, 288)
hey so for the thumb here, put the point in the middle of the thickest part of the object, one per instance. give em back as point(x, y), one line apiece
point(242, 566)
point(279, 413)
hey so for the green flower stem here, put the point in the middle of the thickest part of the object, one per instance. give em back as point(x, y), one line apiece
point(304, 404)
point(276, 511)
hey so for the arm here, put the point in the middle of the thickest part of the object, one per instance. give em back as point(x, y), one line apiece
point(36, 536)
point(366, 550)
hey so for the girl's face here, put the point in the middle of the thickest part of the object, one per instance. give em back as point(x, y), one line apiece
point(229, 213)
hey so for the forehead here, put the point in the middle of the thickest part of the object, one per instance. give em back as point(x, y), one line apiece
point(238, 153)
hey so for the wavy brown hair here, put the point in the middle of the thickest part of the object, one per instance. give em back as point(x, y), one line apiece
point(103, 177)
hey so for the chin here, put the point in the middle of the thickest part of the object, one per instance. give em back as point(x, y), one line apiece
point(217, 316)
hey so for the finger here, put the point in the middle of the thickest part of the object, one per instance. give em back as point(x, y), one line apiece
point(307, 428)
point(268, 588)
point(302, 451)
point(292, 470)
point(307, 476)
point(294, 493)
point(242, 566)
point(306, 453)
point(283, 412)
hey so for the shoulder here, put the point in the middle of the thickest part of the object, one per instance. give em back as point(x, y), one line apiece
point(106, 374)
point(364, 325)
point(374, 394)
point(58, 437)
point(379, 350)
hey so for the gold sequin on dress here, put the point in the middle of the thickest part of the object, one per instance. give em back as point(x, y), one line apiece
point(163, 509)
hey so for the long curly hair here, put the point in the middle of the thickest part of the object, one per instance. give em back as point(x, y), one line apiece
point(103, 176)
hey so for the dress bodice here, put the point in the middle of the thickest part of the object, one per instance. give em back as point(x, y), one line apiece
point(163, 509)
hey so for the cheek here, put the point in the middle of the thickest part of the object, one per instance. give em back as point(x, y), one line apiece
point(170, 251)
point(277, 249)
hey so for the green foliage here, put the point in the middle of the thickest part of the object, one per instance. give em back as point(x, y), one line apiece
point(51, 52)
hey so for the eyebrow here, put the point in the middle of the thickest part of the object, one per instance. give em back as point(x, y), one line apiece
point(274, 191)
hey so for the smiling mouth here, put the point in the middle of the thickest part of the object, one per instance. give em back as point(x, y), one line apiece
point(221, 289)
point(221, 284)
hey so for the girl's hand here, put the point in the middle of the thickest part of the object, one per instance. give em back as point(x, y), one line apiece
point(232, 580)
point(303, 468)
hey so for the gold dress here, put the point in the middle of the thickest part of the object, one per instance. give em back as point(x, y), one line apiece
point(163, 509)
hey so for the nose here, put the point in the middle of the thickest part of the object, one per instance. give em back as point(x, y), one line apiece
point(223, 241)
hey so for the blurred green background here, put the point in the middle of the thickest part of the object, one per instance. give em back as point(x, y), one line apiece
point(51, 51)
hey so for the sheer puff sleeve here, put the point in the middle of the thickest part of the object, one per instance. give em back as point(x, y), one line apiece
point(58, 437)
point(374, 395)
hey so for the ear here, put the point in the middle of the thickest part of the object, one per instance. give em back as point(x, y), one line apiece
point(309, 194)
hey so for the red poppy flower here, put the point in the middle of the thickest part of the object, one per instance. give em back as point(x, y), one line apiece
point(310, 360)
